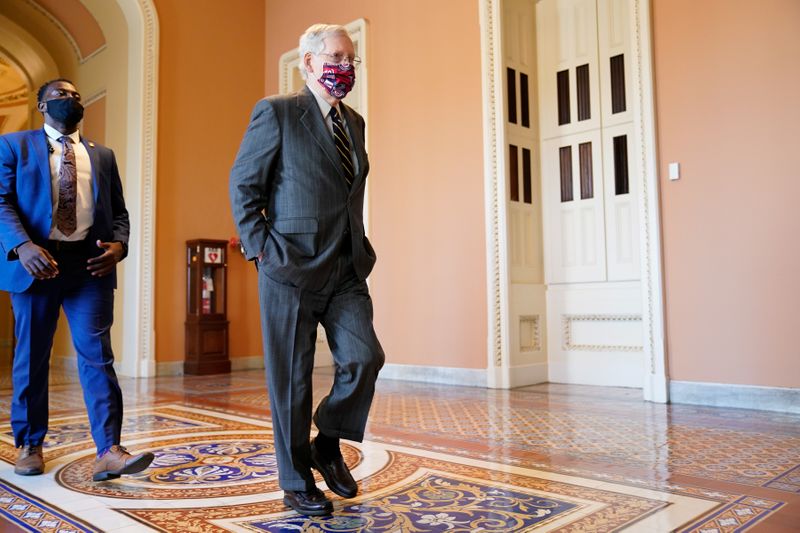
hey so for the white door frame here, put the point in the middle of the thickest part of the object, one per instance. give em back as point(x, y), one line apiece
point(654, 382)
point(138, 335)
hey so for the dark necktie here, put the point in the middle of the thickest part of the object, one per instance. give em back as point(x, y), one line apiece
point(66, 215)
point(342, 146)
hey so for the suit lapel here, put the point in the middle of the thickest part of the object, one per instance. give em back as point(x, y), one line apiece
point(41, 146)
point(314, 122)
point(357, 138)
point(94, 160)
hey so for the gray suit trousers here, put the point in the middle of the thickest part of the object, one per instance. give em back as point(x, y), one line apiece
point(289, 318)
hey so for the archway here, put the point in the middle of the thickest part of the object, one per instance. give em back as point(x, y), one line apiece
point(117, 73)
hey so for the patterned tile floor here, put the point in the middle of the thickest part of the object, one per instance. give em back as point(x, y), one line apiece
point(436, 458)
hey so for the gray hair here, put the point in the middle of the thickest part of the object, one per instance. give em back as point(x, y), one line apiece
point(313, 41)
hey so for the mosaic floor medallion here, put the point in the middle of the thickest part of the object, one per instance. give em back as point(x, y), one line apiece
point(435, 502)
point(29, 513)
point(194, 467)
point(216, 472)
point(406, 491)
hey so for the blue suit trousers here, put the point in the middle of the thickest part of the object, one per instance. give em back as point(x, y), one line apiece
point(88, 304)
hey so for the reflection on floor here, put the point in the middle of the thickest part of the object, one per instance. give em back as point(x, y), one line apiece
point(436, 458)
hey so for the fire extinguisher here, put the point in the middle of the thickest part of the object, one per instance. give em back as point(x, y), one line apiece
point(207, 293)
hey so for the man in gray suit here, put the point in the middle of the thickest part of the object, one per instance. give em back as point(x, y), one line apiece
point(297, 194)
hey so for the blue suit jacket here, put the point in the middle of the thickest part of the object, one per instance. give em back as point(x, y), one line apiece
point(26, 206)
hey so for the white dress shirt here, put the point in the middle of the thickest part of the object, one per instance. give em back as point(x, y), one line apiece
point(325, 108)
point(84, 204)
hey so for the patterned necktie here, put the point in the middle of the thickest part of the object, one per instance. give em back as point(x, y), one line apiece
point(342, 146)
point(66, 215)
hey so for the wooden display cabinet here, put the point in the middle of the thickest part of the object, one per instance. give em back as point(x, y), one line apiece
point(206, 308)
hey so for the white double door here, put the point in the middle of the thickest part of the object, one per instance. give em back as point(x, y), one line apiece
point(590, 192)
point(574, 248)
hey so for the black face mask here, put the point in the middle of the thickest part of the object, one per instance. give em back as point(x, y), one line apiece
point(65, 110)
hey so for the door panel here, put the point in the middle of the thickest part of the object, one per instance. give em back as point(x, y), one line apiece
point(621, 177)
point(573, 204)
point(569, 79)
point(590, 188)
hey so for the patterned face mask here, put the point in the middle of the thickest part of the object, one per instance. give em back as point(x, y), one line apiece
point(338, 80)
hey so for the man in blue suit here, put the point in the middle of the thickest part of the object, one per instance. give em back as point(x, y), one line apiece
point(63, 229)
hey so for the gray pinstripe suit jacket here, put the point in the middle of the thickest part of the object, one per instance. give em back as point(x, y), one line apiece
point(289, 196)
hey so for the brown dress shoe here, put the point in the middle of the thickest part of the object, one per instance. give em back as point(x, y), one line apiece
point(29, 461)
point(117, 461)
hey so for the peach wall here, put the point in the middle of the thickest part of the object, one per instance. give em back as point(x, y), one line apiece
point(727, 110)
point(94, 121)
point(211, 71)
point(426, 177)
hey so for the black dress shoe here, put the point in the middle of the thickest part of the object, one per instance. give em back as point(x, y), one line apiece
point(334, 472)
point(310, 503)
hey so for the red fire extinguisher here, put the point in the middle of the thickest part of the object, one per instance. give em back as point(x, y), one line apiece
point(207, 294)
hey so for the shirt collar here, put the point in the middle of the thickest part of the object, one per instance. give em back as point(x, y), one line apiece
point(324, 106)
point(55, 135)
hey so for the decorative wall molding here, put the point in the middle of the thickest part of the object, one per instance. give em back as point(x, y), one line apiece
point(655, 381)
point(568, 345)
point(67, 35)
point(535, 322)
point(495, 212)
point(16, 97)
point(468, 377)
point(784, 400)
point(138, 359)
point(94, 98)
point(146, 355)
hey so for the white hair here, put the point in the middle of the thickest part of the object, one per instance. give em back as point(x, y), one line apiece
point(313, 41)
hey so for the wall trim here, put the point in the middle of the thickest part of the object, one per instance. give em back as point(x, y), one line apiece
point(138, 283)
point(255, 362)
point(67, 35)
point(67, 363)
point(467, 377)
point(532, 374)
point(566, 329)
point(781, 399)
point(655, 381)
point(497, 268)
point(169, 368)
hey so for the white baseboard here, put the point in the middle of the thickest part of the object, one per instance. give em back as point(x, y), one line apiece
point(169, 368)
point(780, 399)
point(468, 377)
point(255, 362)
point(70, 364)
point(532, 374)
point(175, 368)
